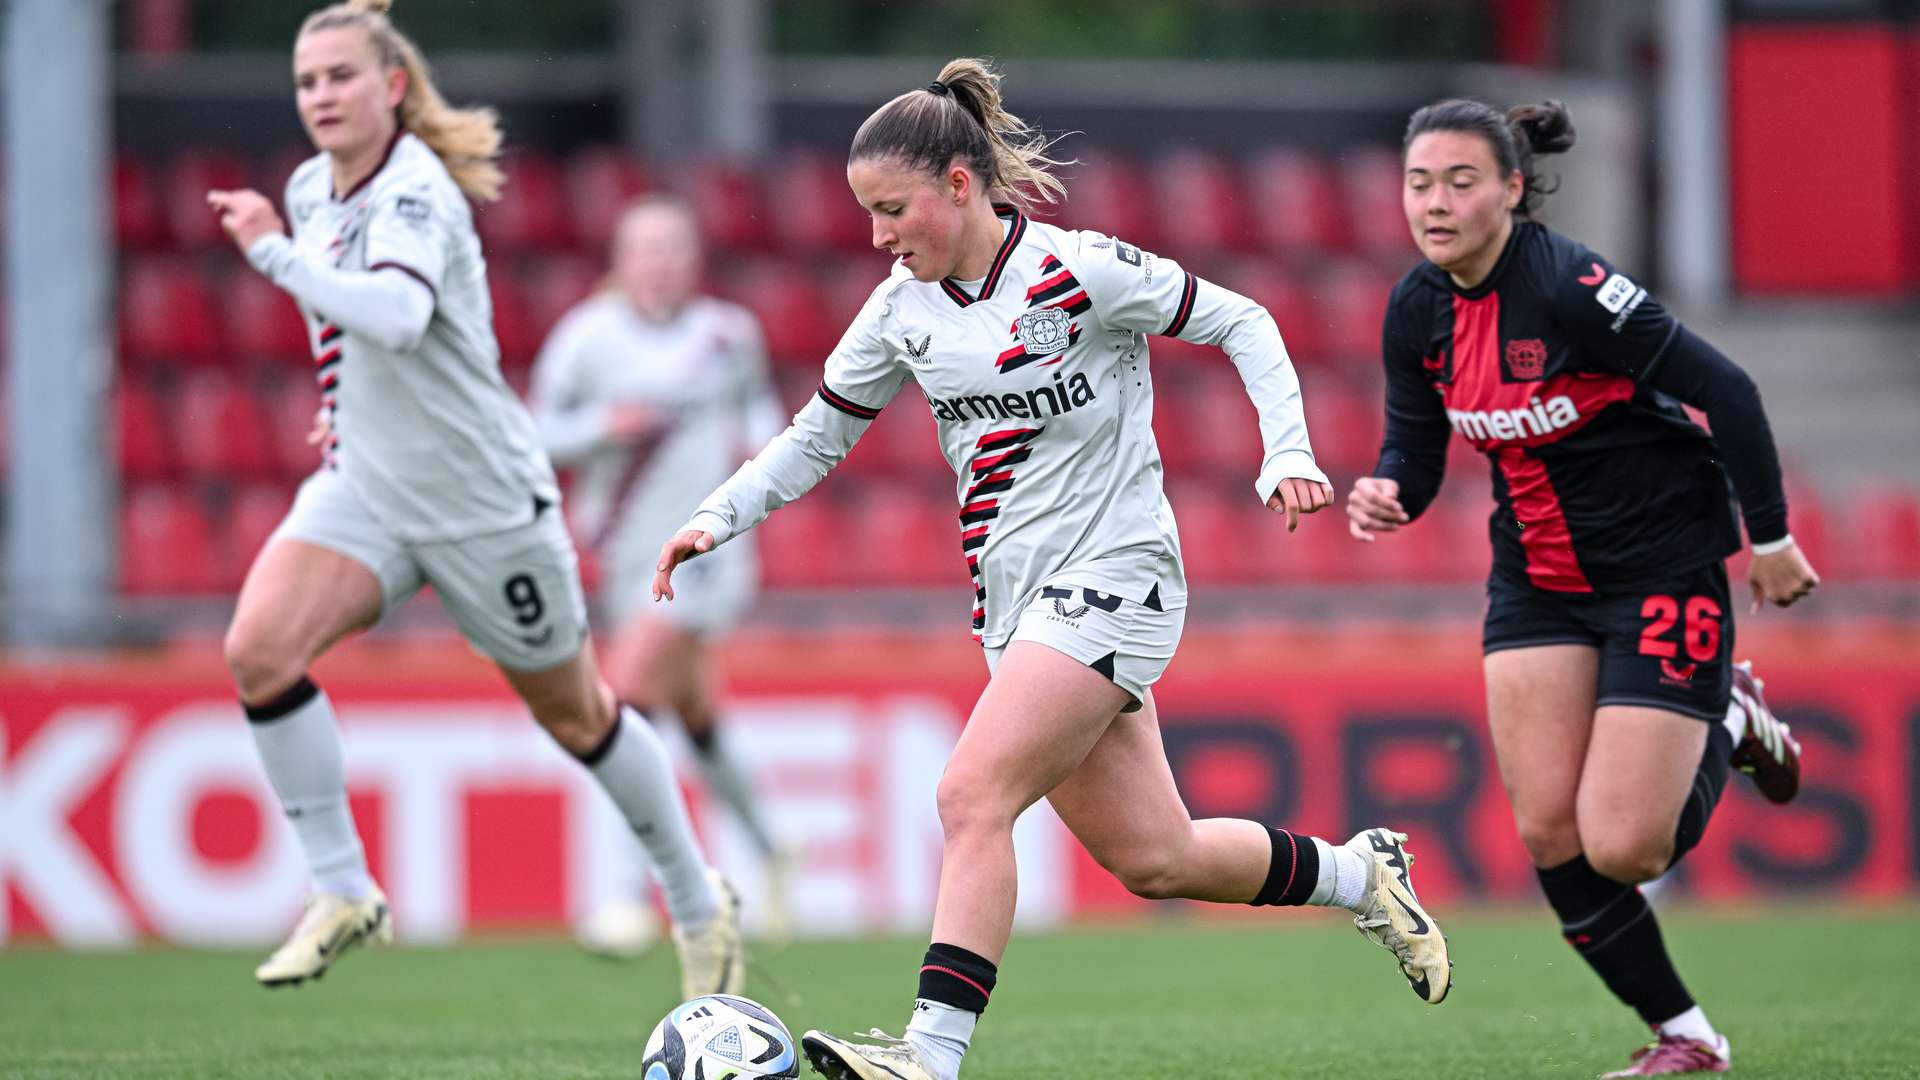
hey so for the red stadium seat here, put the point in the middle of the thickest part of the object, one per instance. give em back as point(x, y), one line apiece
point(263, 322)
point(1294, 206)
point(1222, 424)
point(1108, 194)
point(189, 177)
point(512, 323)
point(166, 545)
point(531, 211)
point(1354, 296)
point(1172, 427)
point(808, 544)
point(1887, 526)
point(1302, 325)
point(1345, 426)
point(141, 431)
point(166, 313)
point(1371, 179)
point(792, 309)
point(1213, 540)
point(554, 285)
point(221, 430)
point(277, 169)
point(138, 224)
point(905, 536)
point(1200, 205)
point(726, 202)
point(252, 515)
point(817, 211)
point(291, 402)
point(601, 181)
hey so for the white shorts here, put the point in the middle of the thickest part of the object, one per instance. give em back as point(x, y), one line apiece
point(1130, 643)
point(710, 593)
point(515, 594)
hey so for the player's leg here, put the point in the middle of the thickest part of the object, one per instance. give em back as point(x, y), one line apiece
point(1656, 765)
point(1123, 806)
point(1040, 714)
point(516, 596)
point(327, 571)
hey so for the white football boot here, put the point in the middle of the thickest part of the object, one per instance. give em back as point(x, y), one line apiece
point(879, 1057)
point(713, 956)
point(327, 928)
point(1394, 919)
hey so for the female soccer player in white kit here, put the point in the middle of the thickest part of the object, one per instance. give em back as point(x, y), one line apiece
point(1029, 342)
point(431, 475)
point(636, 387)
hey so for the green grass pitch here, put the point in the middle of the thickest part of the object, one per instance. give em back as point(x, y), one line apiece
point(1801, 991)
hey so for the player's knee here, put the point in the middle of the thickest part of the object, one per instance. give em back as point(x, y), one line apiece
point(1549, 841)
point(1151, 874)
point(1630, 860)
point(969, 803)
point(576, 726)
point(262, 667)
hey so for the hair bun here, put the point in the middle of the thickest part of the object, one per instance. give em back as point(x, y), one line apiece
point(1547, 127)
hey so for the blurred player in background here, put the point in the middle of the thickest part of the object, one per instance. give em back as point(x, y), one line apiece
point(1614, 702)
point(432, 474)
point(655, 393)
point(1029, 342)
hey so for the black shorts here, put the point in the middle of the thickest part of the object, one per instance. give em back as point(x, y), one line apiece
point(1664, 646)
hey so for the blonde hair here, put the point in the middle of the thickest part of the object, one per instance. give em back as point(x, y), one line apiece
point(960, 116)
point(467, 141)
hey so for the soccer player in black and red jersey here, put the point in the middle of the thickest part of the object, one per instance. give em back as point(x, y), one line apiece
point(1614, 703)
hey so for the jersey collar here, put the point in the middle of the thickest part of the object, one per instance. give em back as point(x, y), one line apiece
point(1016, 228)
point(398, 134)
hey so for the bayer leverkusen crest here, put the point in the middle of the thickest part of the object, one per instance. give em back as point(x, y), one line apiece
point(1526, 359)
point(1047, 330)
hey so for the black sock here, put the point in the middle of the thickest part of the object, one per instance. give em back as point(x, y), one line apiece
point(1614, 931)
point(953, 976)
point(1292, 874)
point(1708, 782)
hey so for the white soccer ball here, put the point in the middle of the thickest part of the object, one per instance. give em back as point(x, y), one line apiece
point(720, 1037)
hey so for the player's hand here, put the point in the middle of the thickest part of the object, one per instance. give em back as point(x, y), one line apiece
point(247, 216)
point(1782, 577)
point(630, 423)
point(674, 552)
point(322, 427)
point(1373, 506)
point(1300, 496)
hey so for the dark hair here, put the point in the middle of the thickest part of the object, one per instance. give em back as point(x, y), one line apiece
point(1525, 131)
point(960, 116)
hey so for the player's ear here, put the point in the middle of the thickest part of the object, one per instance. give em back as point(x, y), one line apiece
point(1516, 189)
point(959, 182)
point(396, 87)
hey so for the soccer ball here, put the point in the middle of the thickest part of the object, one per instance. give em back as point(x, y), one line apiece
point(720, 1037)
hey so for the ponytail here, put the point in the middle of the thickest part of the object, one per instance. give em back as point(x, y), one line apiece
point(960, 116)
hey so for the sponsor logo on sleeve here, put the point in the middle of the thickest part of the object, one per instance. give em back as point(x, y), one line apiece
point(413, 210)
point(1616, 291)
point(1126, 252)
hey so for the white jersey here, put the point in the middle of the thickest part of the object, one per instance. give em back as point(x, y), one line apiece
point(1039, 382)
point(704, 372)
point(426, 431)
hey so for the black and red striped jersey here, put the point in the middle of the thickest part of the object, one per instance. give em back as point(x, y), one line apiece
point(1042, 399)
point(1570, 377)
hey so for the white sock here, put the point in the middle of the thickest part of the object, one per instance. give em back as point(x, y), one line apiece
point(632, 767)
point(1691, 1024)
point(729, 781)
point(1735, 721)
point(1343, 876)
point(941, 1033)
point(300, 747)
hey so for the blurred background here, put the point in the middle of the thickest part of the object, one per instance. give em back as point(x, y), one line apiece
point(1749, 160)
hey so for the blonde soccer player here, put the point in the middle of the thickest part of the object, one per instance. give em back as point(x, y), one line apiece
point(637, 388)
point(432, 474)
